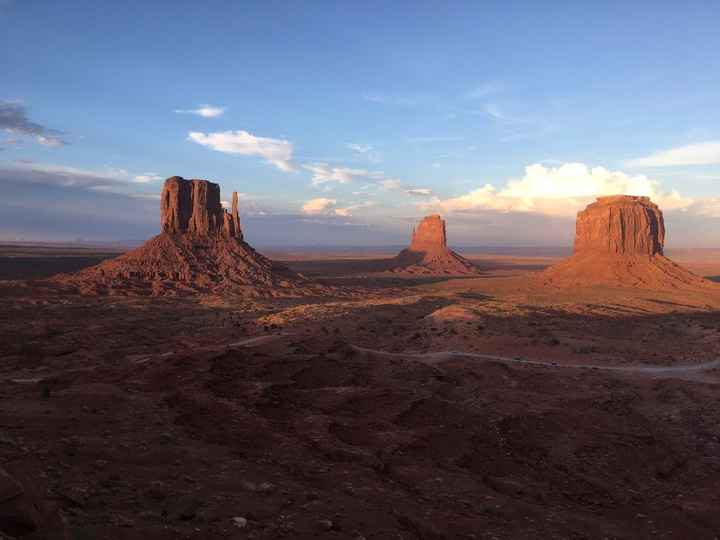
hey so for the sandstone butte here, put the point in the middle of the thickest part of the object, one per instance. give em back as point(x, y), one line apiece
point(200, 249)
point(428, 252)
point(619, 241)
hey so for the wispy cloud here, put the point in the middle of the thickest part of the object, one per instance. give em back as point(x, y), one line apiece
point(206, 111)
point(322, 206)
point(147, 177)
point(434, 139)
point(419, 192)
point(111, 179)
point(322, 173)
point(366, 151)
point(14, 119)
point(494, 110)
point(394, 99)
point(703, 153)
point(276, 151)
point(483, 90)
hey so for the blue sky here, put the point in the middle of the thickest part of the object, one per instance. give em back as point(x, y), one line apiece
point(343, 123)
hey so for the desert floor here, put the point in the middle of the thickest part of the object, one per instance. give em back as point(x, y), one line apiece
point(418, 408)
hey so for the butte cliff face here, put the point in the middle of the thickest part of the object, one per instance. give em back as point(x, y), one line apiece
point(428, 252)
point(620, 225)
point(193, 207)
point(200, 249)
point(619, 241)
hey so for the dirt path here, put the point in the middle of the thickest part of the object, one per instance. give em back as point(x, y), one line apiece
point(442, 356)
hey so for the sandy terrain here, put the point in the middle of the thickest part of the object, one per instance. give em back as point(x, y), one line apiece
point(574, 413)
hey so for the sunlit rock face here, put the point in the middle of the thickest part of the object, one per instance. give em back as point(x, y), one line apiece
point(193, 207)
point(428, 252)
point(429, 234)
point(620, 225)
point(200, 249)
point(619, 242)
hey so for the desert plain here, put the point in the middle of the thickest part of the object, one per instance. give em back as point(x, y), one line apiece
point(388, 406)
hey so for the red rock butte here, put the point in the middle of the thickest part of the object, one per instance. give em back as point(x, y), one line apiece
point(200, 249)
point(619, 241)
point(193, 207)
point(428, 252)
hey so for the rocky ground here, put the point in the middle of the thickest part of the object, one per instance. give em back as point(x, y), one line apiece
point(220, 417)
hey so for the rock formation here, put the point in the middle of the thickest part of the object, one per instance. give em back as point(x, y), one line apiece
point(428, 252)
point(619, 241)
point(193, 207)
point(620, 225)
point(200, 249)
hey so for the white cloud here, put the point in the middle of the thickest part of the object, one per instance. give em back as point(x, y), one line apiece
point(365, 151)
point(348, 210)
point(276, 151)
point(494, 110)
point(484, 90)
point(361, 148)
point(147, 177)
point(51, 141)
point(321, 205)
point(436, 165)
point(398, 100)
point(560, 191)
point(206, 111)
point(323, 173)
point(329, 207)
point(419, 192)
point(433, 139)
point(391, 184)
point(704, 153)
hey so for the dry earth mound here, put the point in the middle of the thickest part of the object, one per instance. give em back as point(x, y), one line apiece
point(428, 252)
point(619, 241)
point(200, 249)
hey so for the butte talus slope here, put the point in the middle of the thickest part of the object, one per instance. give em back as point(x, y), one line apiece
point(619, 241)
point(428, 252)
point(200, 250)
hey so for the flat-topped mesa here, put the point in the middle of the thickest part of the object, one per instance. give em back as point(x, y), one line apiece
point(619, 242)
point(429, 234)
point(193, 207)
point(620, 225)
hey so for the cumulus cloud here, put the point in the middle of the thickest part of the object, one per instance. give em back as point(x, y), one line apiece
point(559, 191)
point(14, 119)
point(320, 205)
point(206, 111)
point(704, 153)
point(276, 151)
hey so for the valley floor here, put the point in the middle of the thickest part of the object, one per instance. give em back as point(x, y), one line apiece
point(418, 408)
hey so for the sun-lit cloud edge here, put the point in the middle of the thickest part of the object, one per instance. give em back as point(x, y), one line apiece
point(564, 190)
